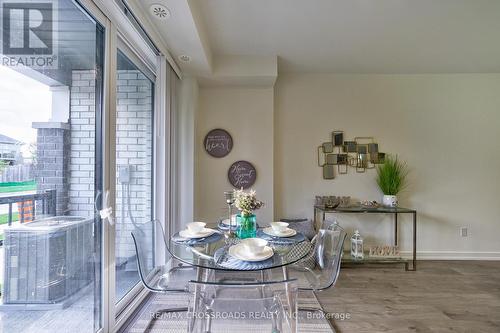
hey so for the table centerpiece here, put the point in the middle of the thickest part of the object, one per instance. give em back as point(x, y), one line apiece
point(247, 203)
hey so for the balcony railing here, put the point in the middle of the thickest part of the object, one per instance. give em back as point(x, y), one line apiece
point(27, 205)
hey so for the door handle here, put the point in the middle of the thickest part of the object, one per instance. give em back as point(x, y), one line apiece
point(107, 212)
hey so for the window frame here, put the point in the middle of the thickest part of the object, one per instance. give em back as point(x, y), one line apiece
point(118, 29)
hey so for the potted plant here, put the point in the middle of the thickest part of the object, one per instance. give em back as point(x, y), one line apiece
point(247, 203)
point(392, 179)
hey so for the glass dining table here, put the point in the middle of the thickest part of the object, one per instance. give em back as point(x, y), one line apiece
point(212, 253)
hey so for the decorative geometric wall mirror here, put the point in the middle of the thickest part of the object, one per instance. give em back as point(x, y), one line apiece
point(328, 147)
point(362, 163)
point(377, 158)
point(350, 147)
point(361, 154)
point(362, 149)
point(331, 159)
point(342, 164)
point(373, 148)
point(328, 171)
point(338, 138)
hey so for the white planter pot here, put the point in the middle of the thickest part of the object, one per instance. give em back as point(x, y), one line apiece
point(390, 200)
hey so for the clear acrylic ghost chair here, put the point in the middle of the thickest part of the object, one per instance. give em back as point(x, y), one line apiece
point(320, 270)
point(233, 307)
point(330, 223)
point(169, 277)
point(327, 253)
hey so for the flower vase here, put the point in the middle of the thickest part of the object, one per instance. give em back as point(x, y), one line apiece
point(247, 226)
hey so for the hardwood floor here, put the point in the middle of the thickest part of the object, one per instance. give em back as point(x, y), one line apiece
point(441, 296)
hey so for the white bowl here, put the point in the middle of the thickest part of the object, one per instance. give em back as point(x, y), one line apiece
point(279, 227)
point(254, 245)
point(196, 227)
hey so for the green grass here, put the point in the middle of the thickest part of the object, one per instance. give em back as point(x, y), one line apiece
point(4, 218)
point(18, 186)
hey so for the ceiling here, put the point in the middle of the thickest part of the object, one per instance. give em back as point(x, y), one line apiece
point(344, 36)
point(183, 32)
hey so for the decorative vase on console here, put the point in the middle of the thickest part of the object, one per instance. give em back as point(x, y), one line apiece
point(246, 202)
point(390, 200)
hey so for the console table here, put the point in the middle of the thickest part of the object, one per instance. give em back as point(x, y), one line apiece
point(379, 210)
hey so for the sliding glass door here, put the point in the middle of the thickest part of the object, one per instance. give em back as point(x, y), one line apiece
point(77, 108)
point(51, 97)
point(134, 165)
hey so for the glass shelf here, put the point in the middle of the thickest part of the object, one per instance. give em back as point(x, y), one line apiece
point(348, 259)
point(359, 209)
point(362, 209)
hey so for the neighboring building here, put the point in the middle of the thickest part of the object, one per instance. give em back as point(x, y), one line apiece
point(10, 149)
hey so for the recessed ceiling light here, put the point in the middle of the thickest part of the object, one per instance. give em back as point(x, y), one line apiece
point(184, 58)
point(159, 11)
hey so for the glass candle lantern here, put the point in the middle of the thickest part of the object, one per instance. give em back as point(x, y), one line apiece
point(229, 196)
point(357, 245)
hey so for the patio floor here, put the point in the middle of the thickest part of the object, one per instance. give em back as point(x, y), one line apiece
point(76, 318)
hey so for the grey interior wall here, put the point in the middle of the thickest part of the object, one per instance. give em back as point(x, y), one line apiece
point(445, 126)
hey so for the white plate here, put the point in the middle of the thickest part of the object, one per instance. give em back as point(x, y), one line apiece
point(288, 232)
point(226, 222)
point(238, 251)
point(204, 233)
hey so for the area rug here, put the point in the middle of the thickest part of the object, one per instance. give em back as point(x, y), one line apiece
point(177, 323)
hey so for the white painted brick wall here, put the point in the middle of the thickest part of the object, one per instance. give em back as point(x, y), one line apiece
point(134, 147)
point(82, 120)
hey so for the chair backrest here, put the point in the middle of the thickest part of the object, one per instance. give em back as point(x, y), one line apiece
point(328, 254)
point(329, 223)
point(265, 306)
point(144, 242)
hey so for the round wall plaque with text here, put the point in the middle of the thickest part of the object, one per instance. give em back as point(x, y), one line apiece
point(218, 143)
point(242, 174)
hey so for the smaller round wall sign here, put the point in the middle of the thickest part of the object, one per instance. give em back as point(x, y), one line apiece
point(218, 143)
point(242, 174)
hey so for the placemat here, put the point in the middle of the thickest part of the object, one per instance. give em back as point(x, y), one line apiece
point(297, 238)
point(196, 241)
point(224, 259)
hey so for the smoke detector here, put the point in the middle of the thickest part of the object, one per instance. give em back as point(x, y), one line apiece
point(159, 12)
point(184, 58)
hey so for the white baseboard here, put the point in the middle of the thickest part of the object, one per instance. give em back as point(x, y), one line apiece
point(452, 255)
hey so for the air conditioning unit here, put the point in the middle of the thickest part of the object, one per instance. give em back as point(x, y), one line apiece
point(49, 260)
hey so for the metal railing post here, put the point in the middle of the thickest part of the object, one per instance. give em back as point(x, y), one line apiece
point(10, 214)
point(54, 202)
point(21, 211)
point(26, 204)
